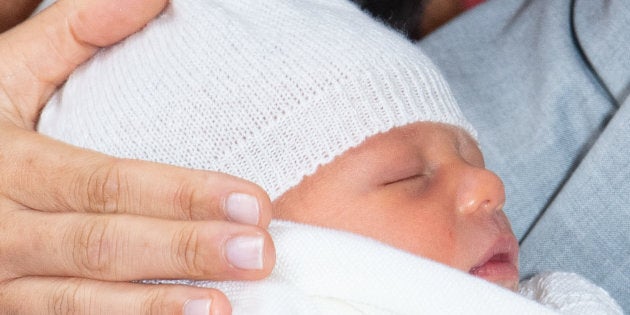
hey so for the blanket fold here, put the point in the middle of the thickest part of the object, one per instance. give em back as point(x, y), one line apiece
point(325, 271)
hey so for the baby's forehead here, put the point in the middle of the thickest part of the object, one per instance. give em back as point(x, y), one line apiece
point(400, 145)
point(387, 157)
point(413, 134)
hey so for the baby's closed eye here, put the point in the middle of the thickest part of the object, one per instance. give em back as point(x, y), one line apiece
point(406, 178)
point(410, 184)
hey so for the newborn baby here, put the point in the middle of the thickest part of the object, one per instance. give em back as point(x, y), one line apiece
point(347, 125)
point(422, 188)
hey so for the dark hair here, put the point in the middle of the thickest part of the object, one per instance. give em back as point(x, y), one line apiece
point(403, 15)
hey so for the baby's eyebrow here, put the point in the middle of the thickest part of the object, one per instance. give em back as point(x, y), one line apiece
point(469, 148)
point(464, 138)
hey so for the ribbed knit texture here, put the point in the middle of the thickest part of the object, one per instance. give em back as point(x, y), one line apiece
point(263, 90)
point(569, 294)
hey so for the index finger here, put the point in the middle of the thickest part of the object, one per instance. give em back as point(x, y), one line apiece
point(67, 178)
point(39, 54)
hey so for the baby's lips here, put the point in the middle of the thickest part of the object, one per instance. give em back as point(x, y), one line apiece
point(499, 263)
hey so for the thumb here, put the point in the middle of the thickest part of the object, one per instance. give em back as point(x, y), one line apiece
point(38, 55)
point(105, 22)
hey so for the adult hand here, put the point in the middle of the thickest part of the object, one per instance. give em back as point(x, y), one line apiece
point(76, 226)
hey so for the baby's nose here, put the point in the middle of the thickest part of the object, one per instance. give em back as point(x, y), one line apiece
point(479, 190)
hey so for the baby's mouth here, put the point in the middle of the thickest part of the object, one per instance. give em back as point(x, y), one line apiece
point(499, 264)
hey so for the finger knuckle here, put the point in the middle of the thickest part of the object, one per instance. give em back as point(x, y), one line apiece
point(64, 299)
point(95, 246)
point(10, 302)
point(187, 251)
point(106, 187)
point(12, 240)
point(183, 200)
point(156, 301)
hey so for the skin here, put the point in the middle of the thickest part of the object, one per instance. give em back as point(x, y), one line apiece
point(438, 12)
point(416, 18)
point(422, 188)
point(75, 225)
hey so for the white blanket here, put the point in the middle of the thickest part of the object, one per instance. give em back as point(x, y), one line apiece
point(323, 271)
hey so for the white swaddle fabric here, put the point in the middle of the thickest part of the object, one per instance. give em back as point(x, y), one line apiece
point(569, 293)
point(324, 271)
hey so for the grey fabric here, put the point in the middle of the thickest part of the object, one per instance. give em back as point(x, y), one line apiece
point(549, 129)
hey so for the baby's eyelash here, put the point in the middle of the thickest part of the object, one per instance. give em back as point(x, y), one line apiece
point(413, 177)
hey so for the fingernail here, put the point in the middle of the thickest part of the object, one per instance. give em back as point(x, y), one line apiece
point(245, 252)
point(242, 208)
point(197, 307)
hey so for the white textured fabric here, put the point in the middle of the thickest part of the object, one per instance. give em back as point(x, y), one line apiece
point(569, 293)
point(264, 90)
point(325, 271)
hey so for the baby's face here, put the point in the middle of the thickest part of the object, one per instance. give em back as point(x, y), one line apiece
point(422, 188)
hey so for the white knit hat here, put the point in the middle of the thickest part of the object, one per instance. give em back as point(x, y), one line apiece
point(264, 90)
